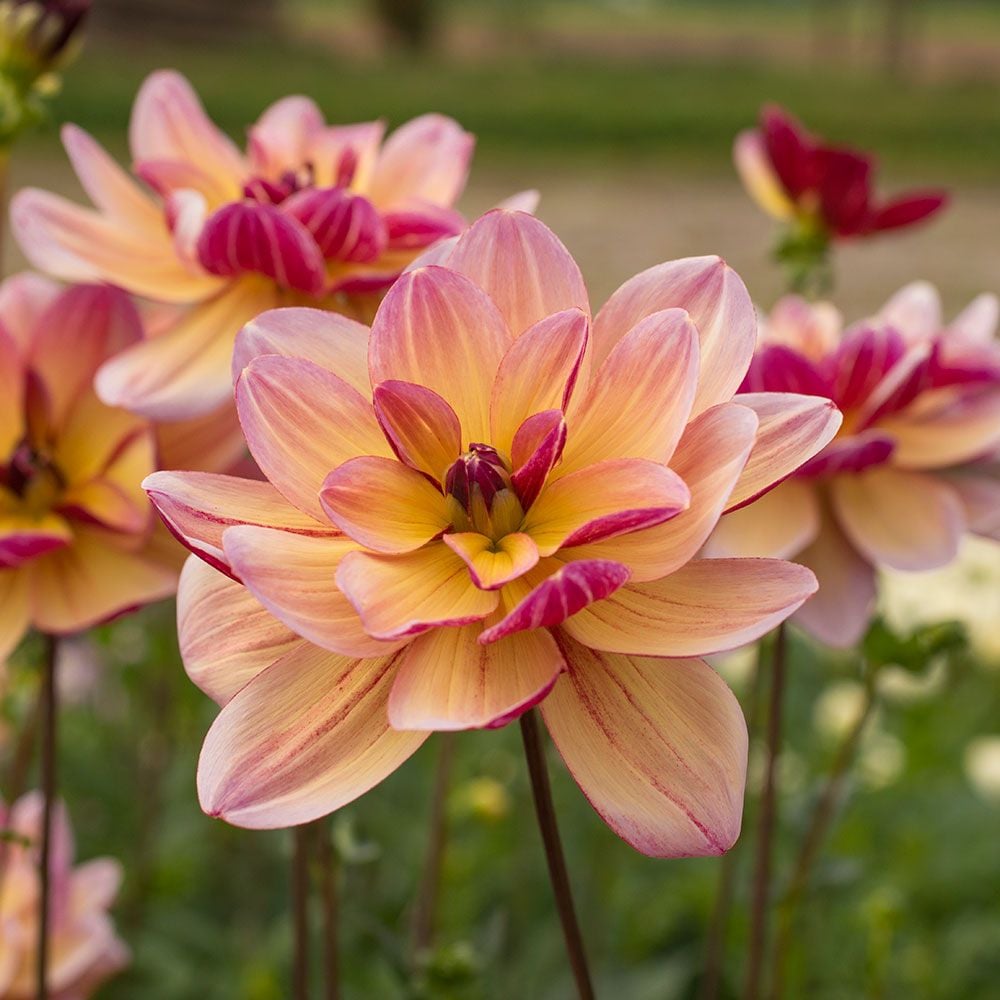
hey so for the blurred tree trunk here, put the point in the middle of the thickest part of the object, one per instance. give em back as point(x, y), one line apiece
point(407, 23)
point(188, 18)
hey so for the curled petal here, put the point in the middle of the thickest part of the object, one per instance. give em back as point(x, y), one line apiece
point(907, 209)
point(303, 738)
point(280, 139)
point(24, 297)
point(780, 368)
point(862, 360)
point(226, 636)
point(420, 426)
point(976, 324)
point(659, 749)
point(493, 564)
point(447, 681)
point(402, 596)
point(851, 454)
point(345, 226)
point(536, 448)
point(914, 311)
point(421, 225)
point(15, 610)
point(758, 176)
point(707, 606)
point(24, 537)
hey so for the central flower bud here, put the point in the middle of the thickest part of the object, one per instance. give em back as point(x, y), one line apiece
point(480, 494)
point(34, 479)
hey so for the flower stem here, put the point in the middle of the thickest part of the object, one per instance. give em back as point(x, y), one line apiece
point(300, 910)
point(766, 822)
point(426, 908)
point(545, 811)
point(809, 850)
point(49, 708)
point(329, 877)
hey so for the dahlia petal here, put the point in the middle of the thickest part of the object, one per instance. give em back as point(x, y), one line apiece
point(91, 581)
point(558, 596)
point(914, 311)
point(346, 154)
point(552, 351)
point(839, 612)
point(384, 505)
point(173, 178)
point(758, 176)
point(791, 430)
point(779, 524)
point(426, 158)
point(92, 436)
point(604, 500)
point(293, 576)
point(976, 324)
point(301, 422)
point(24, 297)
point(709, 458)
point(522, 201)
point(493, 564)
point(707, 606)
point(345, 226)
point(420, 225)
point(116, 500)
point(226, 636)
point(781, 368)
point(447, 681)
point(198, 507)
point(12, 391)
point(947, 429)
point(980, 495)
point(905, 520)
point(851, 454)
point(420, 426)
point(303, 738)
point(280, 139)
point(402, 596)
point(185, 372)
point(252, 237)
point(718, 304)
point(327, 339)
point(537, 447)
point(907, 209)
point(77, 244)
point(110, 188)
point(209, 443)
point(169, 123)
point(861, 362)
point(437, 329)
point(24, 537)
point(638, 402)
point(659, 749)
point(522, 266)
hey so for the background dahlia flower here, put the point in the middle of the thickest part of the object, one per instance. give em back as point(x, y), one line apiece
point(77, 540)
point(309, 213)
point(484, 503)
point(914, 465)
point(84, 950)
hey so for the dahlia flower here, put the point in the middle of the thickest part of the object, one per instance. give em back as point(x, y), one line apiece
point(77, 544)
point(488, 502)
point(914, 465)
point(84, 950)
point(795, 176)
point(310, 213)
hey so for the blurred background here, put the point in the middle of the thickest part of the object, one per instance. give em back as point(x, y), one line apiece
point(622, 113)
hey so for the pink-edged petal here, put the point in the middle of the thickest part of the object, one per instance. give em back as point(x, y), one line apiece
point(303, 738)
point(522, 201)
point(24, 297)
point(91, 581)
point(851, 454)
point(839, 612)
point(294, 577)
point(538, 373)
point(345, 226)
point(976, 324)
point(24, 536)
point(559, 595)
point(252, 237)
point(197, 507)
point(709, 458)
point(15, 610)
point(169, 123)
point(791, 430)
point(914, 311)
point(522, 266)
point(437, 329)
point(861, 362)
point(979, 490)
point(173, 179)
point(212, 442)
point(302, 422)
point(639, 401)
point(185, 372)
point(402, 596)
point(537, 447)
point(110, 188)
point(327, 339)
point(758, 176)
point(707, 606)
point(493, 564)
point(384, 505)
point(945, 429)
point(659, 748)
point(779, 524)
point(604, 500)
point(77, 244)
point(718, 304)
point(226, 636)
point(435, 256)
point(422, 429)
point(426, 158)
point(280, 139)
point(448, 681)
point(13, 385)
point(345, 154)
point(906, 520)
point(780, 368)
point(420, 225)
point(907, 209)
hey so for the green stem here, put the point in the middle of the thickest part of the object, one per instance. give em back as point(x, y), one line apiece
point(329, 877)
point(300, 910)
point(49, 706)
